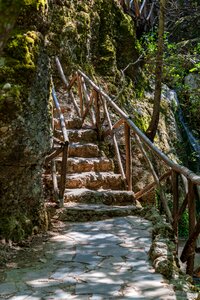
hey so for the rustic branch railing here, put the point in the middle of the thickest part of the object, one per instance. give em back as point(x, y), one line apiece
point(97, 106)
point(59, 187)
point(142, 11)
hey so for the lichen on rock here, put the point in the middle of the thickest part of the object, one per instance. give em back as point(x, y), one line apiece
point(24, 125)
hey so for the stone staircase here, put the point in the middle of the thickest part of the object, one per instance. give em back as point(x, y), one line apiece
point(93, 190)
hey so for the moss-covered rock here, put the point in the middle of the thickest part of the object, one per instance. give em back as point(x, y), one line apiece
point(24, 47)
point(96, 36)
point(9, 11)
point(24, 124)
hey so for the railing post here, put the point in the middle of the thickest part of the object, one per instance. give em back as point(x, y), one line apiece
point(63, 174)
point(54, 178)
point(88, 103)
point(192, 221)
point(97, 114)
point(64, 155)
point(175, 205)
point(80, 93)
point(114, 140)
point(137, 9)
point(128, 156)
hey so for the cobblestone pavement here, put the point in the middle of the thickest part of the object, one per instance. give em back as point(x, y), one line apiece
point(94, 260)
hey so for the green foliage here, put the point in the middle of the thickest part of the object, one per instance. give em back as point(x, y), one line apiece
point(176, 64)
point(196, 61)
point(183, 226)
point(179, 61)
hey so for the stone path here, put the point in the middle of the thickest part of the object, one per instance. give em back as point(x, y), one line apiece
point(94, 260)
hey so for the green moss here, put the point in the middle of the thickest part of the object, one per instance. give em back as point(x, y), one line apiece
point(11, 228)
point(19, 64)
point(83, 22)
point(107, 47)
point(24, 47)
point(82, 6)
point(126, 27)
point(16, 227)
point(6, 74)
point(107, 56)
point(10, 103)
point(36, 4)
point(142, 122)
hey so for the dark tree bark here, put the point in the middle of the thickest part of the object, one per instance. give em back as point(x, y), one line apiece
point(151, 131)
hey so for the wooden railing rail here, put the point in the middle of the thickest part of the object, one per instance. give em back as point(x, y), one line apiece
point(96, 106)
point(59, 187)
point(67, 85)
point(142, 11)
point(176, 167)
point(142, 6)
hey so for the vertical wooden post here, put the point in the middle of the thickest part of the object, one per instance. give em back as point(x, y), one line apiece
point(80, 93)
point(114, 140)
point(128, 156)
point(175, 205)
point(55, 182)
point(137, 9)
point(97, 114)
point(88, 103)
point(63, 174)
point(192, 222)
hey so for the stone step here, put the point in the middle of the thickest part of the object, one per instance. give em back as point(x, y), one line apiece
point(89, 164)
point(74, 212)
point(79, 135)
point(82, 135)
point(94, 180)
point(75, 123)
point(106, 197)
point(86, 150)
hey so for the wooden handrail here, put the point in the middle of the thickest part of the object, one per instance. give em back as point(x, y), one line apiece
point(142, 6)
point(156, 178)
point(89, 100)
point(64, 80)
point(114, 141)
point(150, 12)
point(176, 167)
point(128, 156)
point(59, 190)
point(151, 186)
point(93, 98)
point(61, 117)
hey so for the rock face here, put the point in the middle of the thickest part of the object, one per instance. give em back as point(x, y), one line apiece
point(94, 35)
point(24, 124)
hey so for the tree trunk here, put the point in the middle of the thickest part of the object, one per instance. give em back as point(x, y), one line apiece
point(151, 131)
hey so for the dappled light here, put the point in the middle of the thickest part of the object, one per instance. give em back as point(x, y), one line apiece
point(97, 260)
point(99, 154)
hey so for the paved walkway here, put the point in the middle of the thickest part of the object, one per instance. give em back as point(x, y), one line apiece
point(95, 260)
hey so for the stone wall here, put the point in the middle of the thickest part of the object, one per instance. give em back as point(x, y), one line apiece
point(24, 123)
